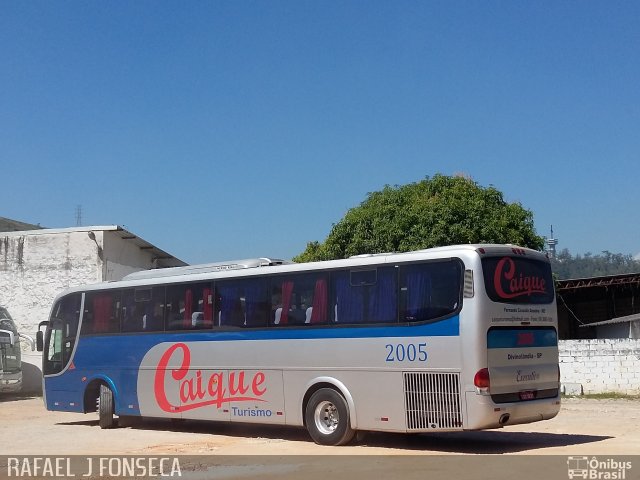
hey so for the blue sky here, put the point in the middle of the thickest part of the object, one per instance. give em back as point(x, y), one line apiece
point(232, 129)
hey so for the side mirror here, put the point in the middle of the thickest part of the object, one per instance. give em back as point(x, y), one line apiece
point(40, 336)
point(39, 341)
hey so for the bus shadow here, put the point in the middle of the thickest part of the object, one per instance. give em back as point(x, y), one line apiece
point(239, 430)
point(479, 442)
point(483, 442)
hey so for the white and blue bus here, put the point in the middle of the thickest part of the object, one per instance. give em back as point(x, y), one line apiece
point(444, 339)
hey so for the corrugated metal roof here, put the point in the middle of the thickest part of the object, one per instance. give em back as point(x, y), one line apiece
point(605, 281)
point(629, 318)
point(163, 258)
point(8, 225)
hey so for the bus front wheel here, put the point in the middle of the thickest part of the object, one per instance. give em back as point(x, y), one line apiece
point(327, 418)
point(105, 407)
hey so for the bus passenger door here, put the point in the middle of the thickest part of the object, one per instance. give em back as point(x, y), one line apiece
point(257, 396)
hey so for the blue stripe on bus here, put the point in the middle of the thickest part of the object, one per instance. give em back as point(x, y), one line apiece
point(522, 338)
point(449, 327)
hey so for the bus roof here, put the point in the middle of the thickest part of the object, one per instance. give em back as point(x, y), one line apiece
point(206, 268)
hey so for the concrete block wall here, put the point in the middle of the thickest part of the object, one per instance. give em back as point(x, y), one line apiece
point(601, 366)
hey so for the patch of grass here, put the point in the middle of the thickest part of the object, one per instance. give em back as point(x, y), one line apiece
point(605, 396)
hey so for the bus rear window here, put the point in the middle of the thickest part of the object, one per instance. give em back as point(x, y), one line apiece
point(518, 280)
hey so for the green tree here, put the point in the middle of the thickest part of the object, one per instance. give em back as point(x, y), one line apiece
point(441, 210)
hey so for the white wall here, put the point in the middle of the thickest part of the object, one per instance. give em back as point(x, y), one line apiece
point(123, 257)
point(601, 366)
point(35, 268)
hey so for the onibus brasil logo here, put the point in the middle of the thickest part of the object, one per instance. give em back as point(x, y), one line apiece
point(593, 468)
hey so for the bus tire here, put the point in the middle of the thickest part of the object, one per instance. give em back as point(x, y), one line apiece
point(327, 418)
point(105, 407)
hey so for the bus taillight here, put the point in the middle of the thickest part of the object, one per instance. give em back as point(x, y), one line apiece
point(482, 380)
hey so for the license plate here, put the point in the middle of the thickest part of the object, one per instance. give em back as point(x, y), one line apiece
point(529, 395)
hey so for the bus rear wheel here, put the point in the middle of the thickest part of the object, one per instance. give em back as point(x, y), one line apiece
point(105, 407)
point(327, 418)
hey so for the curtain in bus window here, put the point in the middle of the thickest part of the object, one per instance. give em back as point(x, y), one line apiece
point(255, 298)
point(418, 284)
point(188, 308)
point(383, 297)
point(101, 313)
point(230, 305)
point(287, 290)
point(349, 300)
point(319, 312)
point(207, 307)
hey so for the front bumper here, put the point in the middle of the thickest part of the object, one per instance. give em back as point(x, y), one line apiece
point(10, 382)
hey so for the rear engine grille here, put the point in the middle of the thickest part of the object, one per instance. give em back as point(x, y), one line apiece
point(432, 401)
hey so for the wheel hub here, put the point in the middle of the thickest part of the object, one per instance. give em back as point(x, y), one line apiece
point(326, 417)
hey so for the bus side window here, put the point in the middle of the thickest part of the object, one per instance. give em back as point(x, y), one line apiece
point(429, 290)
point(189, 306)
point(299, 299)
point(101, 312)
point(365, 296)
point(143, 309)
point(131, 316)
point(256, 302)
point(347, 301)
point(243, 302)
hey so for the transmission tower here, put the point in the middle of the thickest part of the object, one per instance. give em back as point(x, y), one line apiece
point(78, 215)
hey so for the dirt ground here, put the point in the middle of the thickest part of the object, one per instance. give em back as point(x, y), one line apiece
point(585, 428)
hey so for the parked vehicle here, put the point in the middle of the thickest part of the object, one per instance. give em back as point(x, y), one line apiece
point(451, 338)
point(10, 358)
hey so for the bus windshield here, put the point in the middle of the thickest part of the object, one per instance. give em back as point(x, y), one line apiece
point(61, 334)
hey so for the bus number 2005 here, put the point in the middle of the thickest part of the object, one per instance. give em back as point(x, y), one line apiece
point(411, 352)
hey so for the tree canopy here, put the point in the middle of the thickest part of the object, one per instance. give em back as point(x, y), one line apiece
point(441, 210)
